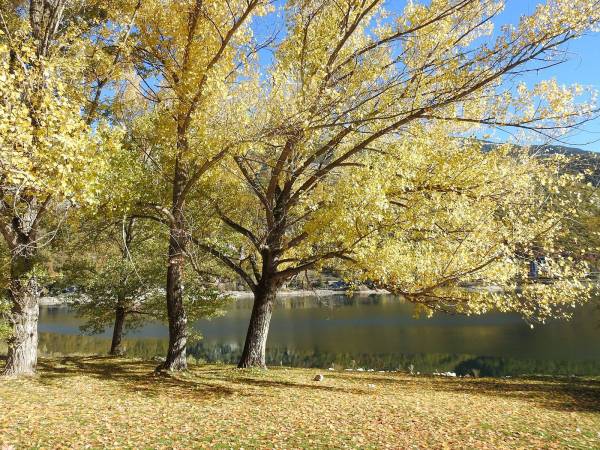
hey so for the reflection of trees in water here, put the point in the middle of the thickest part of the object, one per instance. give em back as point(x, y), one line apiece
point(487, 366)
point(146, 348)
point(68, 344)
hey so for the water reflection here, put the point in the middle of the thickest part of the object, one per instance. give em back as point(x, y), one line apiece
point(52, 344)
point(377, 332)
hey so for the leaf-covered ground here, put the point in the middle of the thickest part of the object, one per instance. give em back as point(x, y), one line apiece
point(98, 402)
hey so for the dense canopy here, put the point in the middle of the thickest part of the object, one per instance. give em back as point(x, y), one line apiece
point(253, 141)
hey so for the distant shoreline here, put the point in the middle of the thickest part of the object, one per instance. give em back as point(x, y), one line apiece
point(63, 300)
point(310, 293)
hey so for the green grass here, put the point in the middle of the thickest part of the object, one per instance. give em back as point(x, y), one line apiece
point(103, 402)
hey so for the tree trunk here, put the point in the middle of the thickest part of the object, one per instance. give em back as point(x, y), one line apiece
point(24, 295)
point(178, 238)
point(176, 354)
point(115, 347)
point(258, 329)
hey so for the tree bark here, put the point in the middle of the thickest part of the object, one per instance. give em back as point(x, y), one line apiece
point(24, 295)
point(265, 292)
point(176, 354)
point(20, 233)
point(115, 348)
point(258, 329)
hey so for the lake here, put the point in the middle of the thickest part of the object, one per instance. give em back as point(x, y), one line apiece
point(372, 332)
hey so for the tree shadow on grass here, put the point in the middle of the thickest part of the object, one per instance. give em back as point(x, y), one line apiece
point(133, 375)
point(559, 393)
point(315, 386)
point(139, 376)
point(269, 378)
point(562, 394)
point(573, 395)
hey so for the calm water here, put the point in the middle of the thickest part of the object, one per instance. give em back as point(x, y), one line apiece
point(376, 332)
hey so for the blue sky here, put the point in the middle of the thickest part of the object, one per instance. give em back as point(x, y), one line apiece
point(582, 67)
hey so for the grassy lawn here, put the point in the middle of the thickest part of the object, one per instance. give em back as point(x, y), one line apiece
point(103, 402)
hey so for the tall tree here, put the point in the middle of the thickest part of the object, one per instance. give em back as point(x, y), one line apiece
point(49, 152)
point(119, 269)
point(347, 80)
point(188, 57)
